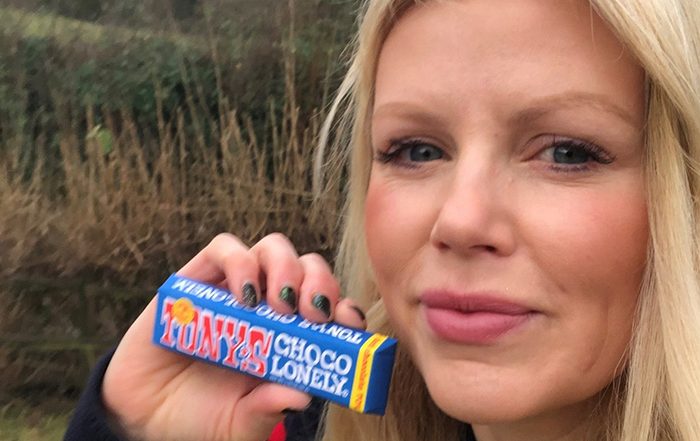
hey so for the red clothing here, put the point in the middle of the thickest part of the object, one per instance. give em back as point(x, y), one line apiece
point(278, 434)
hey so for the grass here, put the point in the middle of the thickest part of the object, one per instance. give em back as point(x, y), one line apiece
point(66, 31)
point(31, 425)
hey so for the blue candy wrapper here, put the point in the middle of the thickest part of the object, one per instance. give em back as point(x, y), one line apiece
point(348, 366)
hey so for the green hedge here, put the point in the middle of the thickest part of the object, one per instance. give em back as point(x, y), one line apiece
point(52, 69)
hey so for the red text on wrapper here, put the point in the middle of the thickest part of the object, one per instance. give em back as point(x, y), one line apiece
point(247, 347)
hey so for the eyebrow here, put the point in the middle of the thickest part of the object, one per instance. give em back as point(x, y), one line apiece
point(549, 104)
point(542, 107)
point(406, 110)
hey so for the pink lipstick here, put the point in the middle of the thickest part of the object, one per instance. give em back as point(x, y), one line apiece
point(474, 318)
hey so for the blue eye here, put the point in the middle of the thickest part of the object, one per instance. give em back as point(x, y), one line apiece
point(567, 153)
point(570, 155)
point(410, 151)
point(423, 152)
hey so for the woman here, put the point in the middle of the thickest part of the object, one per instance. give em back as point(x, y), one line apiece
point(522, 215)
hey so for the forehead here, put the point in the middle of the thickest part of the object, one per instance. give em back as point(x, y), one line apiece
point(455, 53)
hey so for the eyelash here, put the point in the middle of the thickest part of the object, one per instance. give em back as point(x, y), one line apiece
point(597, 154)
point(396, 147)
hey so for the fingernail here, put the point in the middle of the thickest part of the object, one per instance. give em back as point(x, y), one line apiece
point(322, 303)
point(288, 296)
point(250, 296)
point(360, 313)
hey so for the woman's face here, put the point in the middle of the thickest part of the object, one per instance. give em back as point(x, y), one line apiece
point(505, 216)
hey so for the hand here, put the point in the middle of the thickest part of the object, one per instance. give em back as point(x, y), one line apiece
point(155, 394)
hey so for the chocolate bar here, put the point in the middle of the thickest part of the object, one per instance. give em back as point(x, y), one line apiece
point(345, 365)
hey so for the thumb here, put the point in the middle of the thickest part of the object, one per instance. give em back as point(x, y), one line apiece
point(258, 412)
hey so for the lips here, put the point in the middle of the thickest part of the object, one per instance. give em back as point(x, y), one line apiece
point(473, 318)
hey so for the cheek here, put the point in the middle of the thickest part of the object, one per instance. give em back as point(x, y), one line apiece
point(602, 240)
point(397, 226)
point(594, 260)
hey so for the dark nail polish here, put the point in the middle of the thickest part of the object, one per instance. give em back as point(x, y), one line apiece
point(250, 296)
point(288, 296)
point(322, 303)
point(360, 313)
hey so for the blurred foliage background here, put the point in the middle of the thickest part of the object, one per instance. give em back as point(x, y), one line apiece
point(131, 133)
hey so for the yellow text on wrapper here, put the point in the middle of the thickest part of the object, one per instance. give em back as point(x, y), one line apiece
point(358, 397)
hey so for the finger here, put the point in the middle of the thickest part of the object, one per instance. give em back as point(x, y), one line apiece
point(279, 261)
point(227, 258)
point(258, 412)
point(347, 313)
point(206, 266)
point(319, 291)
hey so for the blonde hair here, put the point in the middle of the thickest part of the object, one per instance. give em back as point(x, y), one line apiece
point(658, 397)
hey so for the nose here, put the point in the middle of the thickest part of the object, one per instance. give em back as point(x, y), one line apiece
point(476, 210)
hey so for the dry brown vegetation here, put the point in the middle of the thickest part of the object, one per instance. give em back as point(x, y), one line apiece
point(123, 217)
point(121, 209)
point(93, 221)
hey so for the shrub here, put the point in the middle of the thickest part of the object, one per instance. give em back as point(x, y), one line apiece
point(123, 152)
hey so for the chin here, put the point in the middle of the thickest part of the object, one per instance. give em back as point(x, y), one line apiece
point(477, 406)
point(477, 411)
